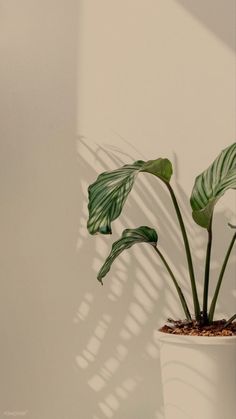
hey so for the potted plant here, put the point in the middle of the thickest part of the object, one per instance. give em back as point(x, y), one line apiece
point(198, 353)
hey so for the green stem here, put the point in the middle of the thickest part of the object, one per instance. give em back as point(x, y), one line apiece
point(207, 275)
point(215, 297)
point(230, 320)
point(180, 293)
point(197, 310)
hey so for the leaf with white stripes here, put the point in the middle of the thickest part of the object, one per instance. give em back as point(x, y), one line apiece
point(107, 195)
point(129, 238)
point(212, 184)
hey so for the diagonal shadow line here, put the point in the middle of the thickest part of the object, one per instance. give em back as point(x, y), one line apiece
point(145, 198)
point(120, 321)
point(217, 15)
point(136, 293)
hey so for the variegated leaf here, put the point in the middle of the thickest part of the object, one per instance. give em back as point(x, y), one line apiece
point(129, 238)
point(212, 184)
point(107, 195)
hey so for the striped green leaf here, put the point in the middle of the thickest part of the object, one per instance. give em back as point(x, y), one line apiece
point(212, 184)
point(129, 238)
point(107, 195)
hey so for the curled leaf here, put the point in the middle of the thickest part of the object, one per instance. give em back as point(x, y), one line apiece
point(129, 238)
point(212, 184)
point(107, 195)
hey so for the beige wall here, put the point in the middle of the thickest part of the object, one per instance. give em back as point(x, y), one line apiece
point(133, 79)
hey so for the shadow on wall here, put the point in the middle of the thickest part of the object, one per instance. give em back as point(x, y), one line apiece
point(218, 16)
point(116, 354)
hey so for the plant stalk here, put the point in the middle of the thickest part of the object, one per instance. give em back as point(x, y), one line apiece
point(207, 275)
point(197, 310)
point(180, 293)
point(219, 282)
point(230, 320)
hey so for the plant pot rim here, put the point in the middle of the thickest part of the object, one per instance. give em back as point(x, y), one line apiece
point(193, 340)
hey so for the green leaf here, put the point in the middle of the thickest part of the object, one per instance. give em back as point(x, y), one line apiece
point(107, 195)
point(128, 238)
point(161, 168)
point(212, 184)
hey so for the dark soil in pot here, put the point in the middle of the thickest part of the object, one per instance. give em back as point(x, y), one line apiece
point(218, 328)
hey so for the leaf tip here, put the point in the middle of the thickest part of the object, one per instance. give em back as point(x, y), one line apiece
point(100, 280)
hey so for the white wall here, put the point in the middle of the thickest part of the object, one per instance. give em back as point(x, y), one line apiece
point(87, 86)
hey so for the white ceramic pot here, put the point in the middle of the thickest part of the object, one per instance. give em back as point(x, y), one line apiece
point(198, 376)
